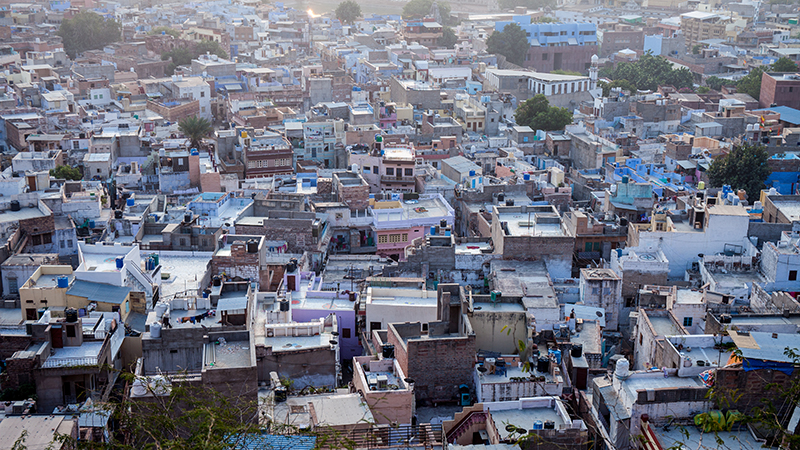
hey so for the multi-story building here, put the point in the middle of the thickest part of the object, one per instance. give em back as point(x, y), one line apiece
point(398, 223)
point(780, 89)
point(698, 26)
point(321, 142)
point(558, 46)
point(620, 37)
point(427, 31)
point(266, 154)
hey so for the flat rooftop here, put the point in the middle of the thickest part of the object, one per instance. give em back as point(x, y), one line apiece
point(485, 307)
point(656, 380)
point(84, 355)
point(525, 416)
point(231, 354)
point(180, 318)
point(533, 224)
point(185, 271)
point(664, 326)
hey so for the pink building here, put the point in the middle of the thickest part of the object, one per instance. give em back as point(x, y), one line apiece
point(397, 223)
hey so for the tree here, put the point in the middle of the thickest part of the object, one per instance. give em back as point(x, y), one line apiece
point(650, 72)
point(784, 64)
point(182, 56)
point(625, 85)
point(537, 113)
point(448, 39)
point(211, 47)
point(751, 83)
point(703, 90)
point(696, 49)
point(166, 30)
point(417, 9)
point(512, 43)
point(66, 173)
point(745, 167)
point(716, 83)
point(195, 128)
point(348, 11)
point(88, 30)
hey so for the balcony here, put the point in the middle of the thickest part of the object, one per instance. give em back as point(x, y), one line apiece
point(396, 179)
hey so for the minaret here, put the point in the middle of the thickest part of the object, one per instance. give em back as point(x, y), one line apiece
point(593, 72)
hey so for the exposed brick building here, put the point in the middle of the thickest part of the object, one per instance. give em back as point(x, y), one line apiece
point(780, 89)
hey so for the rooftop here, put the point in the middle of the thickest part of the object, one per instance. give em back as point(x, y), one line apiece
point(228, 355)
point(99, 292)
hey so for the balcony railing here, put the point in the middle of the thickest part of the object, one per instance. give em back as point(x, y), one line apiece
point(396, 179)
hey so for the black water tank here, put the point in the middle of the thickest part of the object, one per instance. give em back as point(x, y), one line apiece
point(387, 350)
point(501, 197)
point(284, 306)
point(577, 350)
point(443, 223)
point(543, 364)
point(217, 280)
point(15, 205)
point(72, 315)
point(292, 265)
point(549, 425)
point(510, 202)
point(623, 222)
point(252, 246)
point(118, 214)
point(187, 217)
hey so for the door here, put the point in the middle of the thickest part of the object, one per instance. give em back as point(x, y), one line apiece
point(56, 336)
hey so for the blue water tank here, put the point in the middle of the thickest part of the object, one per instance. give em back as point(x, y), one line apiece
point(91, 224)
point(472, 173)
point(556, 354)
point(526, 176)
point(130, 201)
point(120, 262)
point(447, 232)
point(538, 425)
point(195, 152)
point(433, 230)
point(63, 281)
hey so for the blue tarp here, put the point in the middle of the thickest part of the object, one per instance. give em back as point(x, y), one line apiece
point(757, 364)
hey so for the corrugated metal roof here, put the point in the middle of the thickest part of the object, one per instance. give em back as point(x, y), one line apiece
point(765, 346)
point(99, 292)
point(232, 304)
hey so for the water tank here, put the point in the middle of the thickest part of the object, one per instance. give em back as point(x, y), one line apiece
point(526, 176)
point(217, 281)
point(501, 197)
point(510, 202)
point(577, 350)
point(623, 222)
point(206, 293)
point(252, 246)
point(443, 223)
point(187, 217)
point(354, 168)
point(120, 262)
point(161, 308)
point(543, 364)
point(284, 306)
point(155, 330)
point(72, 315)
point(63, 281)
point(91, 224)
point(15, 205)
point(118, 214)
point(549, 425)
point(130, 202)
point(139, 386)
point(701, 185)
point(556, 354)
point(624, 179)
point(292, 265)
point(472, 173)
point(194, 152)
point(538, 425)
point(387, 351)
point(622, 369)
point(159, 384)
point(433, 230)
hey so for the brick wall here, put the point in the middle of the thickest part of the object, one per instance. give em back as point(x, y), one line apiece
point(11, 343)
point(356, 197)
point(240, 263)
point(748, 390)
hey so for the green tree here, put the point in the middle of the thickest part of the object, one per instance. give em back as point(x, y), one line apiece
point(650, 72)
point(66, 173)
point(625, 85)
point(716, 83)
point(211, 47)
point(88, 30)
point(784, 64)
point(696, 49)
point(567, 72)
point(417, 9)
point(745, 167)
point(703, 90)
point(166, 30)
point(348, 12)
point(448, 39)
point(195, 128)
point(512, 43)
point(751, 83)
point(180, 57)
point(537, 113)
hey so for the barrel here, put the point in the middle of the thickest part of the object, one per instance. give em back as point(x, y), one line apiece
point(155, 259)
point(284, 305)
point(217, 280)
point(118, 214)
point(206, 293)
point(161, 308)
point(120, 262)
point(538, 425)
point(549, 425)
point(387, 351)
point(15, 205)
point(72, 315)
point(543, 364)
point(351, 296)
point(510, 202)
point(526, 176)
point(433, 231)
point(155, 330)
point(63, 281)
point(252, 246)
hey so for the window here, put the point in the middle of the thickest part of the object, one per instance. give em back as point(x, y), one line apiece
point(98, 170)
point(687, 321)
point(792, 275)
point(394, 238)
point(76, 145)
point(69, 243)
point(641, 339)
point(183, 242)
point(376, 170)
point(404, 237)
point(61, 243)
point(544, 56)
point(202, 94)
point(345, 333)
point(366, 169)
point(409, 172)
point(70, 331)
point(12, 286)
point(382, 238)
point(389, 171)
point(374, 326)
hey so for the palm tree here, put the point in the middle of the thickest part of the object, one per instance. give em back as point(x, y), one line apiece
point(195, 128)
